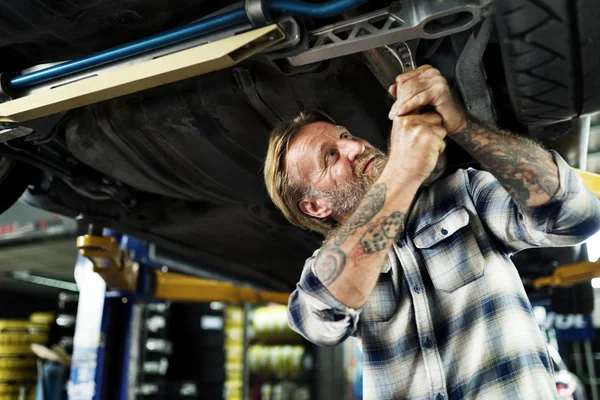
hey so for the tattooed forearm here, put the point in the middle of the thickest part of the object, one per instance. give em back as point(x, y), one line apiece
point(369, 207)
point(378, 235)
point(379, 231)
point(330, 264)
point(526, 170)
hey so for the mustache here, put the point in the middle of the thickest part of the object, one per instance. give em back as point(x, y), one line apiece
point(361, 160)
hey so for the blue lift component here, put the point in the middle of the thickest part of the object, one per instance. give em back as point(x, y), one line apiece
point(88, 368)
point(104, 329)
point(195, 30)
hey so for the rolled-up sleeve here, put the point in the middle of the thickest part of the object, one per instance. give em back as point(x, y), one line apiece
point(315, 314)
point(569, 218)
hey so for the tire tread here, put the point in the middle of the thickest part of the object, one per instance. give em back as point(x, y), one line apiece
point(564, 35)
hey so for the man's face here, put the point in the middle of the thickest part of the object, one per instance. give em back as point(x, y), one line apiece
point(337, 167)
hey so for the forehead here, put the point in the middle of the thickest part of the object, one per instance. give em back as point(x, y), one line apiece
point(301, 157)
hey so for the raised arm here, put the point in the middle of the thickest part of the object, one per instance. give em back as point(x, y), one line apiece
point(526, 170)
point(350, 262)
point(529, 196)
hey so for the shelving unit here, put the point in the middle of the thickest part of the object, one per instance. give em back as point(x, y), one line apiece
point(278, 362)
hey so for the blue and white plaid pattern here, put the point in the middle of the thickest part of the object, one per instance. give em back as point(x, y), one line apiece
point(449, 317)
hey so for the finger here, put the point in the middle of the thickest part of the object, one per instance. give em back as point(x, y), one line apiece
point(392, 90)
point(439, 131)
point(405, 77)
point(413, 120)
point(408, 122)
point(428, 118)
point(434, 93)
point(442, 146)
point(414, 103)
point(406, 92)
point(431, 132)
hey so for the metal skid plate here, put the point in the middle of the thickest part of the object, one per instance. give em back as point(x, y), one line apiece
point(167, 69)
point(401, 21)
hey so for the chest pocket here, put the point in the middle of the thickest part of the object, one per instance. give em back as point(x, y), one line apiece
point(450, 252)
point(381, 305)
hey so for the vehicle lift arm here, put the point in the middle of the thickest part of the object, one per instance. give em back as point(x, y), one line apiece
point(121, 273)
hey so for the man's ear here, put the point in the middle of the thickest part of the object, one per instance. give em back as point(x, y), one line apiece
point(315, 208)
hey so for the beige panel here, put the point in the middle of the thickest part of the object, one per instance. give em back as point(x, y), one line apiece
point(161, 71)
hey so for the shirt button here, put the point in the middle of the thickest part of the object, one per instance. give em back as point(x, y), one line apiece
point(444, 231)
point(439, 396)
point(428, 344)
point(417, 289)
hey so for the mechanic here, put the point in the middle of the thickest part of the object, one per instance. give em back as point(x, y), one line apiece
point(421, 273)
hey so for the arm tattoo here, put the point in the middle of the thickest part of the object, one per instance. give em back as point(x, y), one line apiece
point(331, 261)
point(377, 237)
point(523, 167)
point(330, 264)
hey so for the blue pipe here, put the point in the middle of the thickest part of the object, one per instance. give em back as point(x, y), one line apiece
point(313, 10)
point(200, 28)
point(197, 29)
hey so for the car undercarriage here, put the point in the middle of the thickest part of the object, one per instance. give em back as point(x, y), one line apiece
point(180, 165)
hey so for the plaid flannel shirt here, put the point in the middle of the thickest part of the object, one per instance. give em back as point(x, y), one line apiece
point(449, 317)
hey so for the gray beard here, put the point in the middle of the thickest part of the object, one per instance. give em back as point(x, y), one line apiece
point(345, 199)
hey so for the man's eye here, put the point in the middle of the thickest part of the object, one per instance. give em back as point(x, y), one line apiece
point(330, 155)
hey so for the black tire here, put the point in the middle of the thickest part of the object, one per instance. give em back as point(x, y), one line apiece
point(14, 179)
point(551, 55)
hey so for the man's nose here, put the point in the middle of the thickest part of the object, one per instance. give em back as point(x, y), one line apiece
point(351, 148)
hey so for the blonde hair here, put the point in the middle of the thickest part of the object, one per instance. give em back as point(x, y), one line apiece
point(285, 192)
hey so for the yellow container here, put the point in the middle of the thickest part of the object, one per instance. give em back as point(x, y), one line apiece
point(233, 368)
point(17, 375)
point(15, 350)
point(17, 362)
point(14, 391)
point(18, 332)
point(234, 335)
point(233, 384)
point(234, 315)
point(234, 352)
point(42, 318)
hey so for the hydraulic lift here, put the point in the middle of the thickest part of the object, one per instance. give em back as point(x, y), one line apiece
point(115, 273)
point(122, 272)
